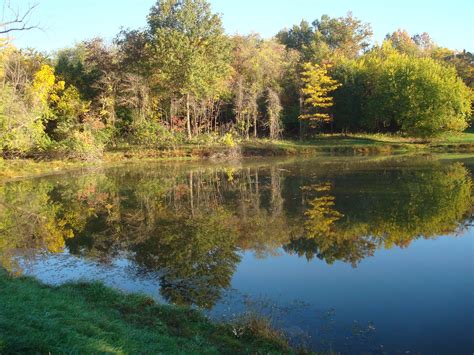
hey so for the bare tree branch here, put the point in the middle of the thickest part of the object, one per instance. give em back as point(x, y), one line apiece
point(17, 20)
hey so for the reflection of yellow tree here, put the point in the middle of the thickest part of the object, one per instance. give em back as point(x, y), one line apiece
point(416, 203)
point(321, 214)
point(32, 220)
point(29, 220)
point(323, 237)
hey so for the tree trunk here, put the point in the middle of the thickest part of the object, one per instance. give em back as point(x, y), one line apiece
point(171, 113)
point(247, 128)
point(255, 126)
point(196, 121)
point(188, 117)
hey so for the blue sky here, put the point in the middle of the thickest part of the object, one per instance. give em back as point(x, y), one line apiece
point(450, 23)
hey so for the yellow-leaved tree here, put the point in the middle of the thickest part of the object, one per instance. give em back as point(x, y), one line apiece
point(316, 91)
point(43, 84)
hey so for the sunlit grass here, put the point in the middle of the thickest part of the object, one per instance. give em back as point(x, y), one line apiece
point(91, 318)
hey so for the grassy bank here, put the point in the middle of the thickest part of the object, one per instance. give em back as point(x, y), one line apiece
point(90, 318)
point(355, 144)
point(322, 145)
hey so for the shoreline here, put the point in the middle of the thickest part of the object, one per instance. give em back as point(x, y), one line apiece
point(21, 168)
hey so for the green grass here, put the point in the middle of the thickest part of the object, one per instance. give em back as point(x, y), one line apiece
point(465, 137)
point(369, 143)
point(325, 144)
point(91, 318)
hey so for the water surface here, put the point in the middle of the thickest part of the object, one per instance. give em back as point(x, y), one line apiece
point(358, 254)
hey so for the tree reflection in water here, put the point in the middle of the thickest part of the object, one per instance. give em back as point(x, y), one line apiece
point(192, 224)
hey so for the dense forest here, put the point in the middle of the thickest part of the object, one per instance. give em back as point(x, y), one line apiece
point(182, 79)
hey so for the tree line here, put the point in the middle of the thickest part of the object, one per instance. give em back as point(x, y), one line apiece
point(182, 79)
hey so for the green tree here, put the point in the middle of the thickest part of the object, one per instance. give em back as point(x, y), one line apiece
point(418, 95)
point(397, 92)
point(346, 36)
point(299, 37)
point(189, 51)
point(464, 64)
point(328, 37)
point(71, 67)
point(327, 40)
point(93, 68)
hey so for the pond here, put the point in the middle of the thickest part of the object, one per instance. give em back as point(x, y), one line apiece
point(354, 254)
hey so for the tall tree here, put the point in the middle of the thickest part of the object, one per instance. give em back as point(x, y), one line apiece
point(326, 37)
point(245, 83)
point(189, 50)
point(259, 65)
point(347, 36)
point(274, 109)
point(298, 37)
point(406, 44)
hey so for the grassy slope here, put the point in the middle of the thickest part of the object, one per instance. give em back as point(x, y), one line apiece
point(90, 318)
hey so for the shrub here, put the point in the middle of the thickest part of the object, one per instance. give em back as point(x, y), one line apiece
point(205, 139)
point(228, 140)
point(151, 133)
point(80, 145)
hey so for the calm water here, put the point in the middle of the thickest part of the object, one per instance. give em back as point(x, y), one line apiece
point(371, 255)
